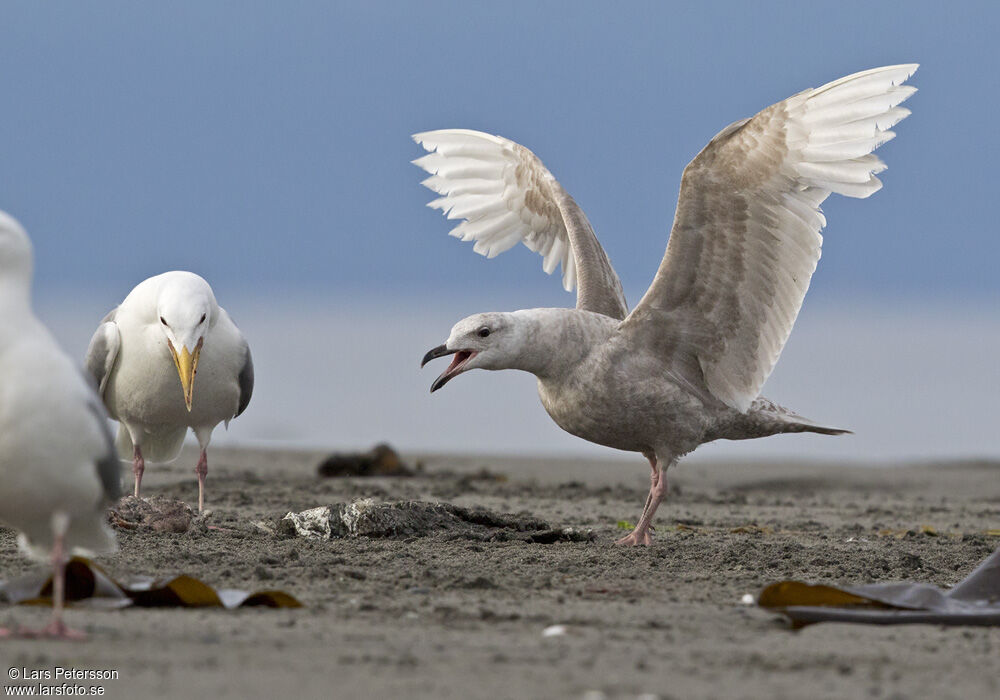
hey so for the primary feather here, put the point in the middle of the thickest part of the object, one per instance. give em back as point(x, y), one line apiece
point(506, 195)
point(746, 240)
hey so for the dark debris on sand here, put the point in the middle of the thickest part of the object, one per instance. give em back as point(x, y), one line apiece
point(365, 518)
point(158, 513)
point(381, 460)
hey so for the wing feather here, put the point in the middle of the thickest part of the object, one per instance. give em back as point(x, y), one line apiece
point(245, 380)
point(746, 235)
point(102, 353)
point(505, 195)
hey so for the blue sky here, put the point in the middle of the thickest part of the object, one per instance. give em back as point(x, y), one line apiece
point(266, 146)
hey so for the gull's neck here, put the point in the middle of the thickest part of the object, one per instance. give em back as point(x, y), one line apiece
point(16, 268)
point(554, 341)
point(15, 310)
point(15, 294)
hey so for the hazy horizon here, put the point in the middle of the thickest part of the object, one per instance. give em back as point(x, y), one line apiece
point(912, 382)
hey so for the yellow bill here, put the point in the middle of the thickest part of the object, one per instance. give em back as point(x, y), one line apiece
point(187, 367)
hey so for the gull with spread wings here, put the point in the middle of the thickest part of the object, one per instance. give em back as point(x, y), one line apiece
point(686, 366)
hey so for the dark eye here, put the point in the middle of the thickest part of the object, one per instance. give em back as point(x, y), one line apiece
point(202, 319)
point(163, 320)
point(483, 332)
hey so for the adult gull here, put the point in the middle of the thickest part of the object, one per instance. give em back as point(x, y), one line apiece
point(686, 366)
point(58, 469)
point(144, 357)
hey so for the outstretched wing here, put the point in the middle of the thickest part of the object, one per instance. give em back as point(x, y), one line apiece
point(507, 196)
point(102, 353)
point(746, 239)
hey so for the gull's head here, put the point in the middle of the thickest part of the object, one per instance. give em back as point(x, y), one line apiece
point(185, 310)
point(483, 341)
point(15, 251)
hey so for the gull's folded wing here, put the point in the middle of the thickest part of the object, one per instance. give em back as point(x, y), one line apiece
point(245, 380)
point(102, 353)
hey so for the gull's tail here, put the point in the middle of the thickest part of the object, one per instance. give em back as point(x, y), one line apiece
point(804, 425)
point(768, 418)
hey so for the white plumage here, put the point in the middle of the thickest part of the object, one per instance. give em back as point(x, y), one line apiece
point(145, 356)
point(57, 463)
point(503, 192)
point(686, 366)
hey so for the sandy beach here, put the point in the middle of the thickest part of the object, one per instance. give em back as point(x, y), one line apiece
point(447, 616)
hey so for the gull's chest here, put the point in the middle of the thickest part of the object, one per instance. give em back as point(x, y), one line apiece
point(145, 386)
point(625, 403)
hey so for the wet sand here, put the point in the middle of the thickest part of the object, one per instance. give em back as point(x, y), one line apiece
point(441, 616)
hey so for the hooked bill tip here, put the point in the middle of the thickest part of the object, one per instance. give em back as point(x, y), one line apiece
point(434, 353)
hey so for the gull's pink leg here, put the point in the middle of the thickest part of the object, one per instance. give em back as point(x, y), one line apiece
point(202, 471)
point(654, 477)
point(657, 492)
point(138, 467)
point(57, 629)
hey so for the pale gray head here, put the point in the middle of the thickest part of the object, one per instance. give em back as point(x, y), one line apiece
point(186, 309)
point(15, 253)
point(492, 340)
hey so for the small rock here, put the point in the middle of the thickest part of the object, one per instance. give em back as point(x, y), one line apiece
point(312, 524)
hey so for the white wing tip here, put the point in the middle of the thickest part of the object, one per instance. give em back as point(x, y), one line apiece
point(910, 68)
point(423, 137)
point(874, 185)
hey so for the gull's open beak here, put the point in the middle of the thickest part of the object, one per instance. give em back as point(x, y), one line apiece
point(187, 367)
point(456, 367)
point(434, 353)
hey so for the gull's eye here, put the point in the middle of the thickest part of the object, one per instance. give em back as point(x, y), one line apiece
point(483, 332)
point(202, 319)
point(163, 320)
